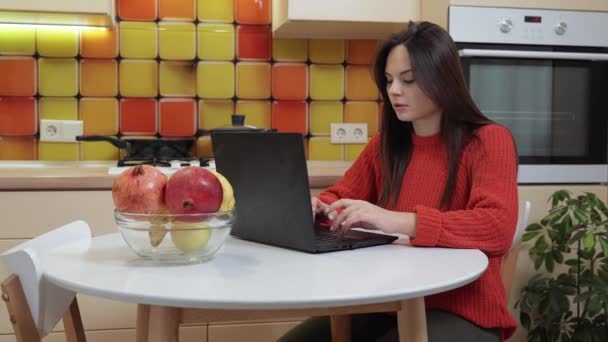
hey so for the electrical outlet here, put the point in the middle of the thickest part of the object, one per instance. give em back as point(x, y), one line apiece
point(60, 130)
point(348, 133)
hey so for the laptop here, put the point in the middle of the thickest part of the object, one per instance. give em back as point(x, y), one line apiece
point(269, 175)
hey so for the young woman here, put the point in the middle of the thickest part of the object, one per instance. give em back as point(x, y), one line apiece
point(438, 171)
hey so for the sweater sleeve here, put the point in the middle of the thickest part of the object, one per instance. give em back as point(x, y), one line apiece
point(489, 218)
point(358, 181)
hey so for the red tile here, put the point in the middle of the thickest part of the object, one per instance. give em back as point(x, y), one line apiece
point(361, 51)
point(138, 116)
point(140, 10)
point(290, 116)
point(18, 116)
point(254, 42)
point(177, 117)
point(290, 81)
point(18, 76)
point(18, 148)
point(252, 11)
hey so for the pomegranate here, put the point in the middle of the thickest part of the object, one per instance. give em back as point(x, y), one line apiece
point(140, 189)
point(193, 190)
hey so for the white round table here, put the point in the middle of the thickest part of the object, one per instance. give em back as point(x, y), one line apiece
point(257, 280)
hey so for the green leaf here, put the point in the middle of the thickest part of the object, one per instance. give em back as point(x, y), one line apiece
point(538, 262)
point(558, 256)
point(567, 224)
point(524, 318)
point(581, 215)
point(577, 236)
point(541, 244)
point(554, 216)
point(549, 264)
point(530, 235)
point(594, 306)
point(604, 243)
point(534, 227)
point(589, 241)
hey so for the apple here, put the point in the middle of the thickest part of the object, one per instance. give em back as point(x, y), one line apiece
point(193, 190)
point(190, 237)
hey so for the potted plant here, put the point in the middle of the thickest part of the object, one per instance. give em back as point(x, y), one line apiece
point(569, 302)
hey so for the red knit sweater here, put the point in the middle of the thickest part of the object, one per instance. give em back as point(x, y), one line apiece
point(483, 214)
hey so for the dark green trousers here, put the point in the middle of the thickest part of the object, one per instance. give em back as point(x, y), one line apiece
point(378, 327)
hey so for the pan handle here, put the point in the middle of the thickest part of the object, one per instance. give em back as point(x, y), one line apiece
point(116, 142)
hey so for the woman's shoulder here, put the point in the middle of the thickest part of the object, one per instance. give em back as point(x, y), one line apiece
point(492, 131)
point(491, 137)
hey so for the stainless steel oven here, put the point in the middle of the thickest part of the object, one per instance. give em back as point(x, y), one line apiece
point(544, 75)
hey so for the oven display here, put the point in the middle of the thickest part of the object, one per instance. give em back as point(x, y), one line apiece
point(532, 19)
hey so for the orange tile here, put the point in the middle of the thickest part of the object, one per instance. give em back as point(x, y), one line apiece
point(99, 115)
point(99, 43)
point(18, 148)
point(290, 116)
point(253, 80)
point(361, 51)
point(290, 81)
point(18, 116)
point(252, 11)
point(360, 84)
point(18, 76)
point(177, 117)
point(142, 10)
point(253, 42)
point(362, 111)
point(138, 117)
point(177, 10)
point(98, 77)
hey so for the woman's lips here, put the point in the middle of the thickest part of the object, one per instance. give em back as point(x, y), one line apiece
point(400, 106)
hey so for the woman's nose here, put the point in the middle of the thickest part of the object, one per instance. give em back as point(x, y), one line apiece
point(394, 88)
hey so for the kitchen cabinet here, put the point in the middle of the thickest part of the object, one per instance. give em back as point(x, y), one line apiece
point(58, 12)
point(580, 5)
point(360, 19)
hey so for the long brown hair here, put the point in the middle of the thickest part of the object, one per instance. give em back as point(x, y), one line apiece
point(437, 70)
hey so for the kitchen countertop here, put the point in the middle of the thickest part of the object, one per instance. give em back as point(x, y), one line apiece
point(84, 175)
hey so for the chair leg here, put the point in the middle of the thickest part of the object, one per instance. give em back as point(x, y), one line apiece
point(142, 324)
point(72, 322)
point(164, 324)
point(19, 310)
point(340, 328)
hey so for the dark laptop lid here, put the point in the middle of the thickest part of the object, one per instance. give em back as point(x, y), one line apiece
point(269, 175)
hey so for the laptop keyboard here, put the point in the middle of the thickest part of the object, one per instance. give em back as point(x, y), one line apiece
point(324, 236)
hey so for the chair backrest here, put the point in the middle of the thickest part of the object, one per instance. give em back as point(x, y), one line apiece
point(47, 302)
point(522, 222)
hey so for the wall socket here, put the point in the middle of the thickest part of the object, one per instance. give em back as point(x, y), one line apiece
point(348, 133)
point(60, 130)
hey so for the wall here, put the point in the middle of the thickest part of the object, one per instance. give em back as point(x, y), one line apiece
point(172, 66)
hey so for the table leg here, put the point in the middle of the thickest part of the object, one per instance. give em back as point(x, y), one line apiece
point(340, 328)
point(142, 324)
point(164, 322)
point(411, 321)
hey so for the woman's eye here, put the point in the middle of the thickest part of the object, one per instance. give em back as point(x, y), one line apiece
point(389, 81)
point(408, 81)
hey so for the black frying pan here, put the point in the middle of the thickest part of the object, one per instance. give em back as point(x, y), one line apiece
point(147, 148)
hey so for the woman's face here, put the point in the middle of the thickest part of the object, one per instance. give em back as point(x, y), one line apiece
point(408, 101)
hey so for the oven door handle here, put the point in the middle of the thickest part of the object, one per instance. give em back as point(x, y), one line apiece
point(533, 54)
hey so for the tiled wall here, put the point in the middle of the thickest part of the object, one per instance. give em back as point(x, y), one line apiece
point(172, 66)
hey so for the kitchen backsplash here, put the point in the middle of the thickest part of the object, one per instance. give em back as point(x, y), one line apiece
point(172, 66)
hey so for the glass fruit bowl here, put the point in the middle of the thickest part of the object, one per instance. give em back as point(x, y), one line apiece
point(175, 239)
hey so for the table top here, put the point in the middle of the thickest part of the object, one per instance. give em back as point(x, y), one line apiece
point(248, 275)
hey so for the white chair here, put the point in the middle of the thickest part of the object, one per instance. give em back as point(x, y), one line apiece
point(34, 304)
point(509, 263)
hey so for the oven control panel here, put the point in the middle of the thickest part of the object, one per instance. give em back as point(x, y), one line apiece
point(468, 24)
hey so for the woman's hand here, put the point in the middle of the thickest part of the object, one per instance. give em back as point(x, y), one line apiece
point(318, 206)
point(357, 213)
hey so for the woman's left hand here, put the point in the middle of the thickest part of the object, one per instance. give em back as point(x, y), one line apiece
point(363, 214)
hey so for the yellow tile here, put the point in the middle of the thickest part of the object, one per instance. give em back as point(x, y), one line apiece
point(326, 50)
point(320, 148)
point(215, 80)
point(138, 39)
point(17, 41)
point(99, 115)
point(57, 76)
point(257, 113)
point(352, 151)
point(57, 151)
point(138, 78)
point(290, 50)
point(203, 147)
point(58, 108)
point(176, 40)
point(216, 42)
point(98, 77)
point(326, 82)
point(253, 80)
point(362, 111)
point(94, 150)
point(215, 113)
point(360, 85)
point(216, 10)
point(177, 78)
point(57, 42)
point(322, 114)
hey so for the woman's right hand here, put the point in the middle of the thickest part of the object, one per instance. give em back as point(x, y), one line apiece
point(318, 206)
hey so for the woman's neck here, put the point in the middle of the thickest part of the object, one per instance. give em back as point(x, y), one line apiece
point(428, 125)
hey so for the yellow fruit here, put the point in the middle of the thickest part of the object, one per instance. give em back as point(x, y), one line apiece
point(228, 199)
point(187, 238)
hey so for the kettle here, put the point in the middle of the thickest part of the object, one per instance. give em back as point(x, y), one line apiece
point(238, 125)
